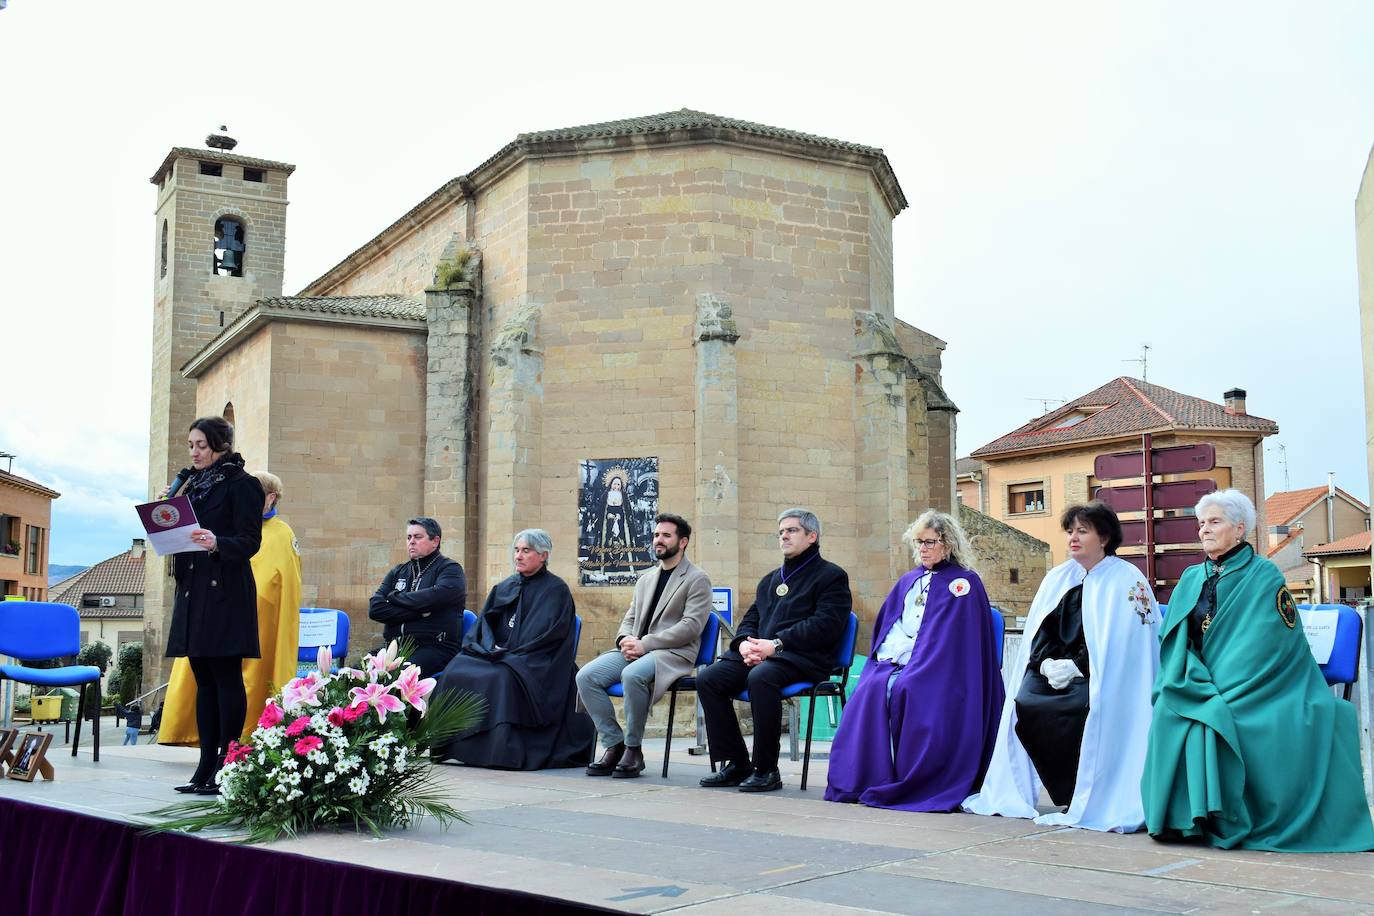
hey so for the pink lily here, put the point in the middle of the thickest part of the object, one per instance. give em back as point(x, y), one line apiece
point(388, 659)
point(413, 689)
point(379, 698)
point(324, 660)
point(303, 691)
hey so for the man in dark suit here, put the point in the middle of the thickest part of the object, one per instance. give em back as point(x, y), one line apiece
point(422, 599)
point(790, 634)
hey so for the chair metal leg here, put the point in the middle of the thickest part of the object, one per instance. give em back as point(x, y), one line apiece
point(80, 707)
point(95, 723)
point(668, 738)
point(810, 721)
point(793, 724)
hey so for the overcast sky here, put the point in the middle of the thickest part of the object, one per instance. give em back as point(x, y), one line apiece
point(1084, 178)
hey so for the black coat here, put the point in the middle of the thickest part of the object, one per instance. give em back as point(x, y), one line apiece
point(216, 608)
point(810, 619)
point(429, 611)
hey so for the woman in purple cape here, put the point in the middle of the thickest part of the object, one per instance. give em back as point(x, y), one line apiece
point(920, 728)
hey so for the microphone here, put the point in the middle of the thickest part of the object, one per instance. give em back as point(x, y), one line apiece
point(179, 481)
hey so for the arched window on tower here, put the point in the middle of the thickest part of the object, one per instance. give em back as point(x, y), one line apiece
point(228, 413)
point(164, 249)
point(230, 247)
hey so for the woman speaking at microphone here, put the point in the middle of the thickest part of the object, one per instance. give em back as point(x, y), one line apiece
point(214, 618)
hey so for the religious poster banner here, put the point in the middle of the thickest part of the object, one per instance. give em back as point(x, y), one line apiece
point(616, 505)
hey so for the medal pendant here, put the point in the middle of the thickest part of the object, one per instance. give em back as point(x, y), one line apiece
point(781, 590)
point(1206, 622)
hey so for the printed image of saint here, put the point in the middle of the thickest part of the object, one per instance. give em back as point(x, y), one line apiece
point(617, 503)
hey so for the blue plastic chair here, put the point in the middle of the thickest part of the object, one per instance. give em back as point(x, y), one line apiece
point(577, 634)
point(710, 636)
point(844, 658)
point(999, 630)
point(35, 630)
point(340, 647)
point(1343, 668)
point(469, 621)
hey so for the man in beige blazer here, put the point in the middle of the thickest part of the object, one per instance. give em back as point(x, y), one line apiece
point(656, 645)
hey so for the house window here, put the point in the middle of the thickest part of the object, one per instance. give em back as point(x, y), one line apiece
point(1024, 498)
point(31, 563)
point(9, 536)
point(230, 247)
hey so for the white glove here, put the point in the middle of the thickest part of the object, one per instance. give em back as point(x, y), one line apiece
point(1059, 671)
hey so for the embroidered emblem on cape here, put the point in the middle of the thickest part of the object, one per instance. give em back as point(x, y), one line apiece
point(166, 516)
point(296, 546)
point(1288, 608)
point(1139, 597)
point(401, 585)
point(959, 587)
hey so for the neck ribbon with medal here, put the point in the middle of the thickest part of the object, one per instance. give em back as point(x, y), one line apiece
point(920, 602)
point(782, 589)
point(413, 584)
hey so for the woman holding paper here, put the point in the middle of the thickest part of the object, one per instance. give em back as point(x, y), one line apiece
point(1248, 747)
point(214, 618)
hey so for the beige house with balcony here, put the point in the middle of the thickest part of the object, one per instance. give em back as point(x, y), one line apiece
point(1032, 474)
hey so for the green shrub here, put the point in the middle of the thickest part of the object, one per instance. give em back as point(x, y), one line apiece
point(130, 675)
point(95, 653)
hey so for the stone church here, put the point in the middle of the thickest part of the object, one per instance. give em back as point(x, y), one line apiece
point(681, 312)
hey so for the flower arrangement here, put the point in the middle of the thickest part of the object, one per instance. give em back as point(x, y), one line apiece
point(337, 750)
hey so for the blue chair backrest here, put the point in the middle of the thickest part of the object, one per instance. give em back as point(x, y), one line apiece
point(577, 633)
point(1344, 665)
point(999, 629)
point(844, 655)
point(34, 630)
point(340, 647)
point(710, 636)
point(1163, 612)
point(469, 621)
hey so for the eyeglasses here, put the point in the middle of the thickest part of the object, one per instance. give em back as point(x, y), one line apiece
point(928, 545)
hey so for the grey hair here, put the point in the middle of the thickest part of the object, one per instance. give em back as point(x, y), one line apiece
point(806, 518)
point(1235, 505)
point(951, 535)
point(536, 539)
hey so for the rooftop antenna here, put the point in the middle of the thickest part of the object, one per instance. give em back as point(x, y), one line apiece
point(1045, 403)
point(1144, 361)
point(9, 457)
point(1283, 457)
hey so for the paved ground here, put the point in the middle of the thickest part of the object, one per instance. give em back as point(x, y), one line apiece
point(650, 845)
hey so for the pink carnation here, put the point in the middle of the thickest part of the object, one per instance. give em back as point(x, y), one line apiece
point(237, 752)
point(336, 717)
point(354, 712)
point(300, 725)
point(308, 744)
point(271, 715)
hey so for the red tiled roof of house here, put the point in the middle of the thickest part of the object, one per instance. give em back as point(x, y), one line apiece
point(1355, 543)
point(1282, 508)
point(1288, 539)
point(24, 483)
point(121, 574)
point(1122, 407)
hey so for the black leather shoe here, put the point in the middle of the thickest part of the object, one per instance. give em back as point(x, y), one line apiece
point(762, 781)
point(728, 776)
point(207, 789)
point(188, 788)
point(607, 763)
point(631, 764)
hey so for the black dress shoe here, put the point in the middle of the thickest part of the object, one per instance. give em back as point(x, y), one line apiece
point(762, 781)
point(607, 763)
point(728, 776)
point(631, 764)
point(207, 789)
point(188, 788)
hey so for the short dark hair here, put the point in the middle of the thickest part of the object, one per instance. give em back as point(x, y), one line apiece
point(1100, 517)
point(219, 432)
point(430, 525)
point(684, 528)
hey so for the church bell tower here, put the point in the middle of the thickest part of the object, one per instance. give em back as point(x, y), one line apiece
point(219, 244)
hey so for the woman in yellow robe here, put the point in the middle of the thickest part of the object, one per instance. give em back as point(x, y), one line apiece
point(277, 573)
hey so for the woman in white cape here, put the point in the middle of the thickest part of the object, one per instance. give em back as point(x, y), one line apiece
point(1120, 625)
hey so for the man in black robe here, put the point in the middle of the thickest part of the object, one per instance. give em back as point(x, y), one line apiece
point(791, 633)
point(521, 658)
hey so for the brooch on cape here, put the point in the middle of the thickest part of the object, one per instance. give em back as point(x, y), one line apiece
point(959, 587)
point(1140, 601)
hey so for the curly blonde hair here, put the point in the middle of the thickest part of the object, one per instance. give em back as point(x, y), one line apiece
point(951, 535)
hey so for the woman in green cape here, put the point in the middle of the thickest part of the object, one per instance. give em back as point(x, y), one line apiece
point(1248, 746)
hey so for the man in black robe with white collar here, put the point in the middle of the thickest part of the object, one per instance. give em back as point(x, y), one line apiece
point(521, 658)
point(422, 599)
point(790, 634)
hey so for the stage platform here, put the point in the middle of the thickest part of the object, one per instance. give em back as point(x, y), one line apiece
point(650, 845)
